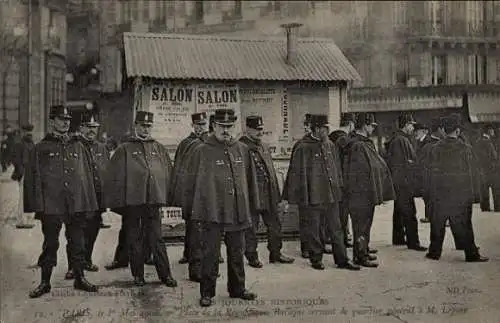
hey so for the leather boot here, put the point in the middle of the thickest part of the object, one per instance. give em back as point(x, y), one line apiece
point(81, 283)
point(44, 286)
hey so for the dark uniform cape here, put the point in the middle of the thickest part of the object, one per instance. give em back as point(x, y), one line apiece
point(138, 173)
point(423, 155)
point(294, 148)
point(367, 178)
point(454, 175)
point(59, 179)
point(100, 158)
point(257, 200)
point(487, 156)
point(21, 156)
point(314, 176)
point(401, 159)
point(216, 183)
point(179, 169)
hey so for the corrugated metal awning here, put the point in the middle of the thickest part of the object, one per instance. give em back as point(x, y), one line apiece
point(484, 107)
point(175, 56)
point(405, 104)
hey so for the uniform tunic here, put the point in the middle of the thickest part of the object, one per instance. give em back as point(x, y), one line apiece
point(60, 188)
point(216, 195)
point(487, 157)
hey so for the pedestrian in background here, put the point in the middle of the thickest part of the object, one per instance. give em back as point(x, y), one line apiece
point(22, 154)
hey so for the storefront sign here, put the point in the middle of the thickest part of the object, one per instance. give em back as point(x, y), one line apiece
point(172, 106)
point(266, 102)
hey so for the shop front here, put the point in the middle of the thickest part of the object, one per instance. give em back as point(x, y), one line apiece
point(215, 73)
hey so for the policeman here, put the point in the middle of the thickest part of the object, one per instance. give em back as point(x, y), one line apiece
point(136, 186)
point(367, 184)
point(425, 143)
point(199, 124)
point(22, 152)
point(217, 191)
point(314, 182)
point(341, 138)
point(304, 246)
point(453, 188)
point(60, 188)
point(264, 196)
point(100, 156)
point(487, 157)
point(401, 157)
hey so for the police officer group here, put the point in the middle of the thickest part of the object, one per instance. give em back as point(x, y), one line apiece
point(226, 185)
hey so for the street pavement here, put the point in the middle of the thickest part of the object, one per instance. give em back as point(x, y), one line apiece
point(405, 288)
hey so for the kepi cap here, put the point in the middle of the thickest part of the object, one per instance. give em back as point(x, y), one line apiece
point(255, 122)
point(319, 120)
point(199, 118)
point(365, 119)
point(144, 117)
point(421, 126)
point(225, 117)
point(347, 117)
point(90, 119)
point(451, 123)
point(59, 111)
point(28, 127)
point(404, 119)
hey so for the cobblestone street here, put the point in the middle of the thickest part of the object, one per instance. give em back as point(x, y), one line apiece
point(405, 288)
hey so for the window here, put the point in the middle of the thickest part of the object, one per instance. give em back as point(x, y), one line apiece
point(477, 69)
point(402, 68)
point(145, 11)
point(237, 9)
point(125, 10)
point(437, 14)
point(438, 70)
point(399, 12)
point(475, 17)
point(198, 11)
point(134, 10)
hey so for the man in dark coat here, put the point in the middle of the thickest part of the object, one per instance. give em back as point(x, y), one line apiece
point(304, 246)
point(314, 182)
point(199, 124)
point(487, 157)
point(22, 153)
point(136, 186)
point(425, 143)
point(341, 138)
point(216, 193)
point(60, 189)
point(401, 157)
point(100, 157)
point(496, 179)
point(453, 188)
point(367, 184)
point(192, 245)
point(264, 196)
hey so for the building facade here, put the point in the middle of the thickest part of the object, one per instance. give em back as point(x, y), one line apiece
point(33, 60)
point(429, 57)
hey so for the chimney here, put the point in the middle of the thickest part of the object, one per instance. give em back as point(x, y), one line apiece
point(291, 30)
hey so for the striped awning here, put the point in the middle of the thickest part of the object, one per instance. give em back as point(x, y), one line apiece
point(484, 107)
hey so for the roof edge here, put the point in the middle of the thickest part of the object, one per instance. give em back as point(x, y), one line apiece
point(225, 37)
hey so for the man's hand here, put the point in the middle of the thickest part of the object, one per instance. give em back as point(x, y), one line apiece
point(284, 205)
